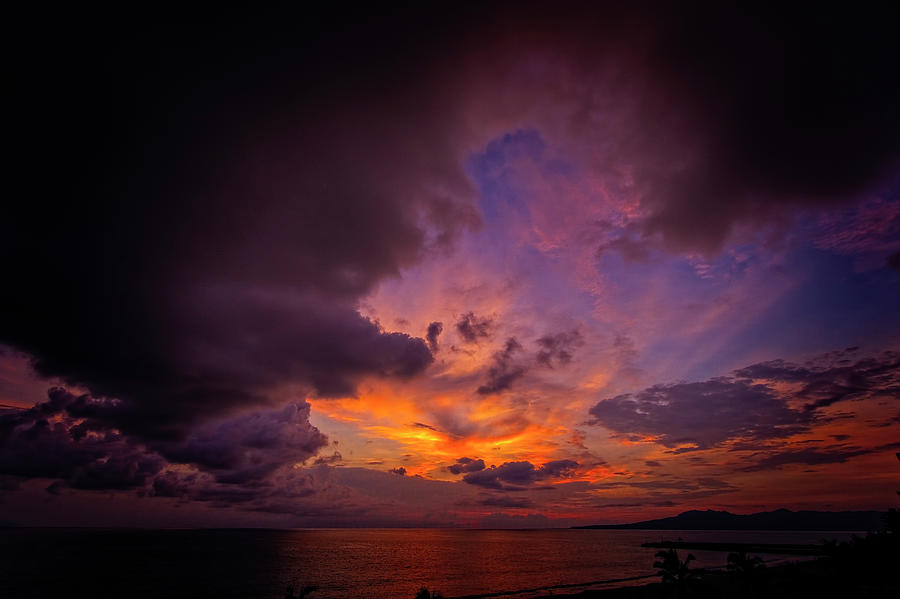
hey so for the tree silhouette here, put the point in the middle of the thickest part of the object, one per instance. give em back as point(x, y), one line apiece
point(749, 569)
point(743, 564)
point(304, 591)
point(674, 572)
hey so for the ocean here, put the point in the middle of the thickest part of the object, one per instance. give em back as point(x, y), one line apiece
point(357, 563)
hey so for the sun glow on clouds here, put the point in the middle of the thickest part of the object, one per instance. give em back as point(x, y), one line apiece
point(564, 252)
point(653, 315)
point(532, 270)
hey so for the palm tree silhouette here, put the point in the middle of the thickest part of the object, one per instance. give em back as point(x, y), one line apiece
point(744, 564)
point(675, 572)
point(749, 569)
point(304, 591)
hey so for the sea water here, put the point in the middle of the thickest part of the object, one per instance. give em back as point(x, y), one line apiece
point(364, 563)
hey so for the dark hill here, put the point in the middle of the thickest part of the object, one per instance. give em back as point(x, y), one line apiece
point(777, 520)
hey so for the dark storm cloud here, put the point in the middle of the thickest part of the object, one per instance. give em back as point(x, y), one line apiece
point(791, 107)
point(464, 465)
point(279, 494)
point(51, 441)
point(249, 447)
point(68, 438)
point(747, 406)
point(431, 336)
point(505, 370)
point(473, 328)
point(516, 476)
point(218, 205)
point(557, 349)
point(273, 338)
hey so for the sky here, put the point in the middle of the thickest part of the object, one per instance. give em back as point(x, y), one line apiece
point(470, 265)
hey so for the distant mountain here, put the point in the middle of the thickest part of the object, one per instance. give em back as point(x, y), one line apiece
point(777, 520)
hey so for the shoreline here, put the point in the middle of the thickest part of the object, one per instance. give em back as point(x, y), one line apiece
point(814, 578)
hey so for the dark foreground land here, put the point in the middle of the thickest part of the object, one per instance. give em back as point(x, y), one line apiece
point(863, 568)
point(823, 578)
point(813, 579)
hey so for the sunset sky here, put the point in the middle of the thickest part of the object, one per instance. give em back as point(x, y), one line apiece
point(509, 266)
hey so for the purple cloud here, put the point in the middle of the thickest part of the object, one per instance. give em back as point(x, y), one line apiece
point(506, 502)
point(812, 456)
point(515, 476)
point(837, 376)
point(69, 438)
point(465, 465)
point(504, 371)
point(557, 349)
point(473, 328)
point(703, 414)
point(52, 441)
point(431, 336)
point(247, 448)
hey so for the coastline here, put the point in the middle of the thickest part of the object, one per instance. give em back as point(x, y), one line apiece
point(817, 578)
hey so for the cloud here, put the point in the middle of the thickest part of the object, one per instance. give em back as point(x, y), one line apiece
point(204, 267)
point(431, 337)
point(811, 457)
point(749, 405)
point(247, 448)
point(248, 457)
point(893, 261)
point(872, 226)
point(697, 484)
point(514, 476)
point(286, 491)
point(506, 502)
point(464, 465)
point(501, 520)
point(792, 145)
point(504, 371)
point(558, 348)
point(472, 328)
point(184, 264)
point(795, 147)
point(834, 377)
point(48, 441)
point(702, 414)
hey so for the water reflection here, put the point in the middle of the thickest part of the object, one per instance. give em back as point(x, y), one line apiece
point(375, 563)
